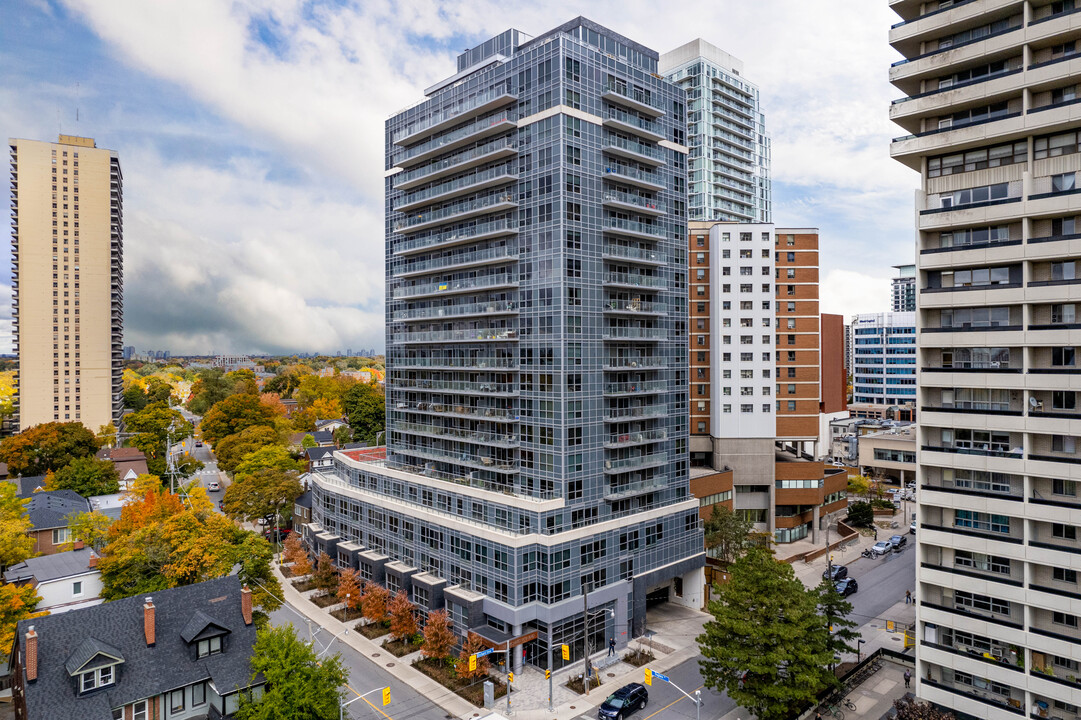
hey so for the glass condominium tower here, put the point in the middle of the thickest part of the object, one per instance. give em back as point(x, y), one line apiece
point(729, 160)
point(537, 397)
point(989, 105)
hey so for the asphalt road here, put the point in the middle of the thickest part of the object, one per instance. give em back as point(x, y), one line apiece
point(365, 675)
point(882, 582)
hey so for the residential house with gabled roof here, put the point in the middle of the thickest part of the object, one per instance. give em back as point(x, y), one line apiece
point(49, 513)
point(64, 581)
point(182, 653)
point(130, 463)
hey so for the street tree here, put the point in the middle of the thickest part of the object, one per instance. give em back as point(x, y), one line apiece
point(859, 485)
point(764, 647)
point(374, 602)
point(47, 447)
point(87, 476)
point(15, 543)
point(325, 577)
point(92, 528)
point(210, 387)
point(261, 494)
point(349, 588)
point(270, 457)
point(308, 442)
point(727, 534)
point(234, 414)
point(438, 636)
point(403, 623)
point(839, 632)
point(158, 391)
point(231, 449)
point(151, 426)
point(364, 404)
point(860, 514)
point(471, 646)
point(300, 685)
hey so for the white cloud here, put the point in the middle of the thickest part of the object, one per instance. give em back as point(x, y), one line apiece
point(849, 292)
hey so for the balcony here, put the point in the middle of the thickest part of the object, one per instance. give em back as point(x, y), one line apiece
point(468, 388)
point(1014, 453)
point(458, 236)
point(615, 364)
point(500, 307)
point(635, 281)
point(634, 254)
point(630, 439)
point(487, 256)
point(639, 152)
point(642, 387)
point(488, 152)
point(635, 307)
point(633, 228)
point(634, 333)
point(473, 182)
point(635, 413)
point(618, 119)
point(482, 462)
point(635, 463)
point(493, 414)
point(476, 105)
point(634, 176)
point(622, 491)
point(477, 130)
point(634, 203)
point(479, 335)
point(622, 94)
point(482, 205)
point(504, 440)
point(470, 363)
point(450, 287)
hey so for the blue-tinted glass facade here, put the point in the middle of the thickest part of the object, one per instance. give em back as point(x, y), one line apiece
point(537, 397)
point(884, 358)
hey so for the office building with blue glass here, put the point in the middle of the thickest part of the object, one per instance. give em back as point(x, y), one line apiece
point(537, 389)
point(884, 358)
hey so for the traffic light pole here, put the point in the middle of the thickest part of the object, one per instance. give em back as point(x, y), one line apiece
point(550, 707)
point(510, 677)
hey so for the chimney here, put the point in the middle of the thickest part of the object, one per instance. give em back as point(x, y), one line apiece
point(31, 654)
point(148, 621)
point(245, 604)
point(93, 562)
point(77, 545)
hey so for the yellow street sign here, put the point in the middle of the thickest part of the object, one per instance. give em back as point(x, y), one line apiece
point(649, 677)
point(890, 626)
point(472, 663)
point(386, 696)
point(566, 652)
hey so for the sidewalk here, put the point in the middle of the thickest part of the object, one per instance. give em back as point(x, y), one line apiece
point(673, 643)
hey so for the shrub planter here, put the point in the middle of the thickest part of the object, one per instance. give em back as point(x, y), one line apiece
point(346, 615)
point(303, 585)
point(470, 690)
point(373, 630)
point(401, 648)
point(579, 687)
point(325, 600)
point(638, 657)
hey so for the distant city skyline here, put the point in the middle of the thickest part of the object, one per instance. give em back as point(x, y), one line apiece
point(268, 125)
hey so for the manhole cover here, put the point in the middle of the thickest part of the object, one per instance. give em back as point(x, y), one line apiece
point(896, 639)
point(375, 654)
point(390, 664)
point(572, 707)
point(611, 674)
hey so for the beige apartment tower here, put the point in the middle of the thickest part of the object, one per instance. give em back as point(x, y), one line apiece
point(991, 107)
point(67, 281)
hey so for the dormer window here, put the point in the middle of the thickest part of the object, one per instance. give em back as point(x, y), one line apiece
point(93, 679)
point(210, 646)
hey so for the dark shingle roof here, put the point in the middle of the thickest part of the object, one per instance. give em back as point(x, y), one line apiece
point(51, 509)
point(87, 651)
point(25, 486)
point(146, 671)
point(318, 453)
point(50, 567)
point(305, 499)
point(199, 623)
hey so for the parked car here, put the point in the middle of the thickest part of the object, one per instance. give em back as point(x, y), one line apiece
point(277, 534)
point(623, 702)
point(847, 586)
point(912, 527)
point(213, 486)
point(198, 443)
point(882, 547)
point(898, 541)
point(839, 572)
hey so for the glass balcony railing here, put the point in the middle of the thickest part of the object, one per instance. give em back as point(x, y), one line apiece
point(457, 235)
point(481, 308)
point(488, 413)
point(633, 226)
point(636, 438)
point(617, 491)
point(449, 139)
point(633, 333)
point(636, 96)
point(626, 118)
point(635, 306)
point(431, 194)
point(632, 363)
point(462, 158)
point(634, 174)
point(634, 253)
point(492, 388)
point(471, 363)
point(635, 413)
point(451, 286)
point(500, 439)
point(478, 100)
point(464, 207)
point(467, 258)
point(649, 151)
point(481, 335)
point(643, 387)
point(632, 463)
point(645, 281)
point(649, 205)
point(480, 462)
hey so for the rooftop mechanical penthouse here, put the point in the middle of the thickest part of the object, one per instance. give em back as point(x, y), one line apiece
point(537, 415)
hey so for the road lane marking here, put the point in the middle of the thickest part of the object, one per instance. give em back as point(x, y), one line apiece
point(647, 717)
point(373, 707)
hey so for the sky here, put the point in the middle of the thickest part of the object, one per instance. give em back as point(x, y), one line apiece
point(250, 134)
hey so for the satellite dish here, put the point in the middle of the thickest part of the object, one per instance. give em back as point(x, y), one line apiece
point(1033, 402)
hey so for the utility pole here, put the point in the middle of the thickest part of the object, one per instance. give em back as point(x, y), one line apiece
point(510, 674)
point(550, 706)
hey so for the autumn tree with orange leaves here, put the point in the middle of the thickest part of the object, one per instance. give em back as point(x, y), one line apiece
point(472, 646)
point(374, 602)
point(403, 624)
point(438, 636)
point(349, 589)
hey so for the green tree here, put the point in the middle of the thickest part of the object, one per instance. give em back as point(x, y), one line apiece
point(299, 684)
point(209, 389)
point(234, 414)
point(271, 457)
point(364, 404)
point(91, 527)
point(840, 632)
point(231, 449)
point(244, 382)
point(135, 398)
point(911, 709)
point(764, 646)
point(15, 544)
point(47, 447)
point(307, 442)
point(860, 514)
point(261, 494)
point(727, 534)
point(158, 391)
point(859, 485)
point(87, 476)
point(342, 436)
point(254, 555)
point(151, 428)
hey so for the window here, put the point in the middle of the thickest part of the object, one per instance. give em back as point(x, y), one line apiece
point(1064, 575)
point(139, 710)
point(972, 601)
point(210, 646)
point(1063, 487)
point(1064, 532)
point(1063, 182)
point(77, 588)
point(1060, 618)
point(1063, 444)
point(176, 701)
point(61, 535)
point(97, 678)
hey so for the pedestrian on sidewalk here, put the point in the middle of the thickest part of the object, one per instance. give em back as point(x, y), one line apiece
point(611, 647)
point(908, 597)
point(908, 677)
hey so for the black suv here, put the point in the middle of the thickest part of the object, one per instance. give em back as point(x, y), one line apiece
point(623, 702)
point(839, 572)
